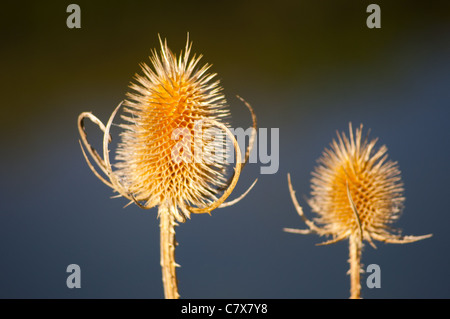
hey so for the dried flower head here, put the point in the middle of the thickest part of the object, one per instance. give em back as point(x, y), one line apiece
point(168, 117)
point(357, 193)
point(174, 96)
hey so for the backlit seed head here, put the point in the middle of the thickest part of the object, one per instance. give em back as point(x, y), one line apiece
point(357, 193)
point(356, 188)
point(172, 101)
point(174, 140)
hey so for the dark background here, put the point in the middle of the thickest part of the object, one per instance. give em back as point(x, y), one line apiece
point(307, 67)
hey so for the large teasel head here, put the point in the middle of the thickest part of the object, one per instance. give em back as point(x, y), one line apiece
point(173, 151)
point(173, 103)
point(356, 193)
point(172, 107)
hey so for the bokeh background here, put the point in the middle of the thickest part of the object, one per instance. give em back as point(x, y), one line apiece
point(307, 67)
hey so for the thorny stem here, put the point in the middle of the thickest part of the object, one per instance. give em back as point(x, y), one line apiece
point(167, 247)
point(355, 247)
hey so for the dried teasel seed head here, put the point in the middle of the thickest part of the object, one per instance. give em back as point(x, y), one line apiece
point(173, 148)
point(357, 193)
point(174, 100)
point(355, 188)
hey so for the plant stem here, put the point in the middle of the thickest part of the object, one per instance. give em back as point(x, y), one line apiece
point(355, 247)
point(167, 247)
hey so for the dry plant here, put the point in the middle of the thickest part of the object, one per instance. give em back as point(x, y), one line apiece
point(151, 168)
point(357, 194)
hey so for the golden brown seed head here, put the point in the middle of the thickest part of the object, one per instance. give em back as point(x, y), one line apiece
point(164, 107)
point(357, 194)
point(353, 171)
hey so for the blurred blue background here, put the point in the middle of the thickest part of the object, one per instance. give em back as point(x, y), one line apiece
point(307, 67)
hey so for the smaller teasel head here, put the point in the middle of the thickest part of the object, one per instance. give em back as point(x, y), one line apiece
point(356, 191)
point(170, 114)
